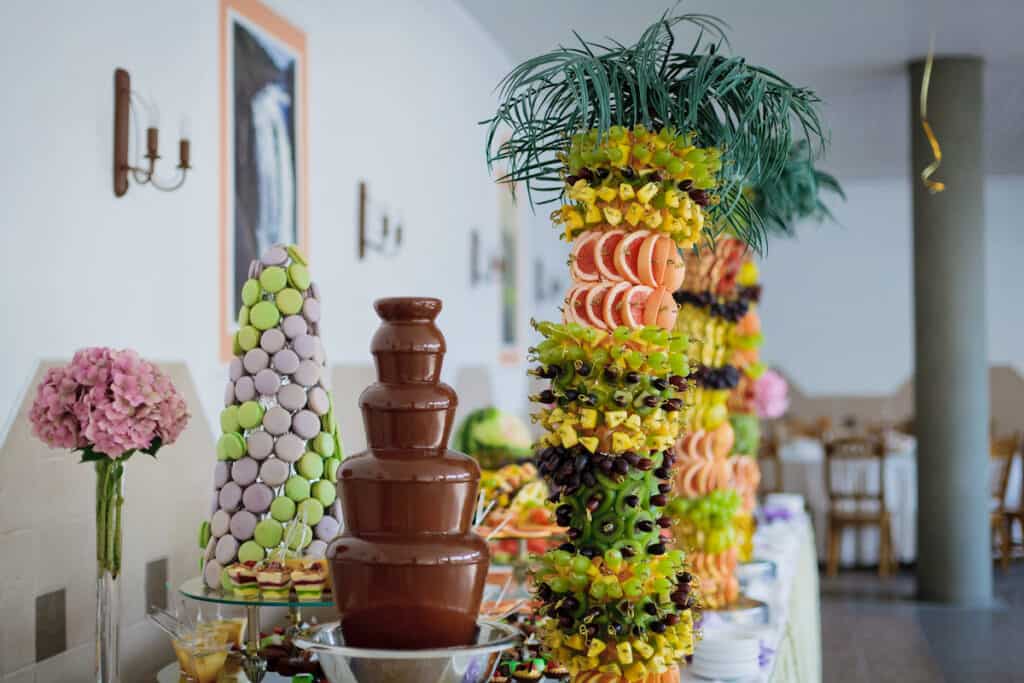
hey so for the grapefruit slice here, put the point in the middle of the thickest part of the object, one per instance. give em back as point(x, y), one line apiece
point(575, 304)
point(634, 305)
point(627, 254)
point(582, 266)
point(613, 299)
point(646, 269)
point(660, 309)
point(594, 304)
point(668, 263)
point(604, 254)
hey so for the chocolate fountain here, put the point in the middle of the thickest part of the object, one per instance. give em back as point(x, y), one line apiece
point(408, 572)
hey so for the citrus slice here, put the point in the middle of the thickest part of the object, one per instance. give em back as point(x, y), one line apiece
point(634, 305)
point(569, 309)
point(594, 304)
point(582, 266)
point(613, 299)
point(627, 253)
point(667, 264)
point(604, 254)
point(660, 309)
point(645, 266)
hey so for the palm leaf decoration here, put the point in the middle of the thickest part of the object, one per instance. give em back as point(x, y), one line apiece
point(795, 193)
point(747, 111)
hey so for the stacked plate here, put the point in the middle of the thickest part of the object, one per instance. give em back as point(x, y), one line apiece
point(728, 654)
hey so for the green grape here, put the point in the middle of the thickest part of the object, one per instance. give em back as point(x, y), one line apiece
point(675, 167)
point(561, 558)
point(578, 583)
point(575, 353)
point(641, 153)
point(665, 567)
point(616, 132)
point(614, 589)
point(633, 588)
point(559, 584)
point(615, 155)
point(695, 156)
point(662, 157)
point(661, 585)
point(580, 564)
point(635, 360)
point(613, 558)
point(657, 359)
point(597, 590)
point(676, 556)
point(599, 357)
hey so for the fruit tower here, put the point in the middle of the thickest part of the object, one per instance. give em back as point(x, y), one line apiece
point(279, 450)
point(647, 150)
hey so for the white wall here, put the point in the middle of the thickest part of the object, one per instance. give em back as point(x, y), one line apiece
point(396, 90)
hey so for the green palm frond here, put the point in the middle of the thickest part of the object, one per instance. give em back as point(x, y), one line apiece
point(747, 111)
point(795, 193)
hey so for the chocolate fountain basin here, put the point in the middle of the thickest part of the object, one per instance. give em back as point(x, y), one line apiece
point(343, 663)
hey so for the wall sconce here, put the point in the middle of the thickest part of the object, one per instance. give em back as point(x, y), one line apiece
point(122, 129)
point(545, 289)
point(387, 245)
point(495, 266)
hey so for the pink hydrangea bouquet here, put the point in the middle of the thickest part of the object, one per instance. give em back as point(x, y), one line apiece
point(771, 395)
point(107, 405)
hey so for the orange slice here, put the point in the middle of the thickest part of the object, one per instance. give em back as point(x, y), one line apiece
point(634, 305)
point(582, 266)
point(668, 264)
point(613, 299)
point(604, 254)
point(574, 307)
point(645, 266)
point(627, 254)
point(594, 304)
point(660, 309)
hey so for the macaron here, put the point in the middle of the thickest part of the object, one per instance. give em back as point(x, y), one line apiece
point(225, 581)
point(316, 548)
point(296, 254)
point(250, 551)
point(230, 446)
point(307, 374)
point(289, 301)
point(289, 447)
point(318, 401)
point(243, 523)
point(251, 292)
point(230, 496)
point(282, 509)
point(293, 326)
point(298, 535)
point(314, 289)
point(243, 316)
point(227, 550)
point(276, 255)
point(331, 469)
point(245, 390)
point(327, 528)
point(304, 345)
point(306, 424)
point(229, 419)
point(244, 471)
point(263, 316)
point(273, 279)
point(267, 382)
point(211, 549)
point(219, 523)
point(335, 510)
point(248, 337)
point(272, 340)
point(286, 361)
point(310, 466)
point(277, 420)
point(221, 473)
point(323, 443)
point(298, 275)
point(260, 443)
point(323, 491)
point(211, 574)
point(310, 511)
point(255, 360)
point(236, 348)
point(250, 414)
point(291, 397)
point(255, 268)
point(274, 472)
point(296, 488)
point(204, 534)
point(268, 533)
point(229, 393)
point(311, 310)
point(235, 369)
point(257, 497)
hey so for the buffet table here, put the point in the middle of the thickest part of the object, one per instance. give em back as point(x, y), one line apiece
point(791, 642)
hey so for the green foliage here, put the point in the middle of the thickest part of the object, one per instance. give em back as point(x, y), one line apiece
point(747, 111)
point(795, 193)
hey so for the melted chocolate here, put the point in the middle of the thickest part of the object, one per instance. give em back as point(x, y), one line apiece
point(408, 572)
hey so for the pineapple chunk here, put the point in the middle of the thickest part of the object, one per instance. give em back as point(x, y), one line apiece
point(634, 213)
point(588, 418)
point(621, 442)
point(624, 653)
point(613, 216)
point(643, 648)
point(593, 214)
point(607, 193)
point(654, 218)
point(626, 192)
point(597, 646)
point(657, 664)
point(647, 192)
point(568, 436)
point(635, 671)
point(633, 421)
point(613, 418)
point(589, 442)
point(590, 663)
point(610, 668)
point(575, 641)
point(557, 415)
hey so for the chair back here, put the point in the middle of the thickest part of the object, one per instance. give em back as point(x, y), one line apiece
point(1001, 452)
point(855, 472)
point(768, 459)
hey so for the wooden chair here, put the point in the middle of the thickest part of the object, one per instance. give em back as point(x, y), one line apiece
point(847, 453)
point(768, 457)
point(1001, 520)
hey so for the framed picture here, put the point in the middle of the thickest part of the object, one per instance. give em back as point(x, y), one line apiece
point(263, 179)
point(509, 290)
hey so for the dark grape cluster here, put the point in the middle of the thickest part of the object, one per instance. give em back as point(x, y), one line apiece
point(751, 294)
point(724, 377)
point(728, 309)
point(609, 388)
point(570, 469)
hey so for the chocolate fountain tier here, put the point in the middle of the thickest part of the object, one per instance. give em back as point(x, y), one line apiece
point(408, 572)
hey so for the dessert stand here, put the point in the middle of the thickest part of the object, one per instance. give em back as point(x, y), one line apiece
point(744, 611)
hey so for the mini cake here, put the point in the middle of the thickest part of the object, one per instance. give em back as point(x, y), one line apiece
point(274, 581)
point(243, 579)
point(309, 579)
point(529, 670)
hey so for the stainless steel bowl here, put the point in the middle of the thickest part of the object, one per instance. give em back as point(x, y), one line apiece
point(466, 664)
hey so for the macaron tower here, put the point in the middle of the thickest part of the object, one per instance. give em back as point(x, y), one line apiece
point(647, 148)
point(279, 450)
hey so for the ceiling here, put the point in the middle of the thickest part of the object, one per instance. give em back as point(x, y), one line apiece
point(854, 54)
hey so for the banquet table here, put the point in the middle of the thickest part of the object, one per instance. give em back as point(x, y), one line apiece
point(803, 472)
point(792, 638)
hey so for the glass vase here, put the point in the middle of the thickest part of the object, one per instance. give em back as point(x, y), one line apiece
point(109, 535)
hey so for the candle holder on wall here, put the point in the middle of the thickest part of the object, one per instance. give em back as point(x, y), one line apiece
point(488, 272)
point(388, 243)
point(545, 288)
point(123, 169)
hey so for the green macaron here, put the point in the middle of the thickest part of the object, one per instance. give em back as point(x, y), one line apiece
point(331, 469)
point(251, 551)
point(296, 255)
point(324, 492)
point(310, 466)
point(282, 509)
point(298, 275)
point(229, 419)
point(250, 414)
point(289, 301)
point(296, 488)
point(273, 279)
point(299, 537)
point(323, 444)
point(248, 337)
point(204, 534)
point(243, 316)
point(251, 292)
point(230, 446)
point(268, 533)
point(264, 315)
point(310, 511)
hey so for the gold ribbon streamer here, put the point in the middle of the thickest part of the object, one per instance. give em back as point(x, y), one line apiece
point(934, 186)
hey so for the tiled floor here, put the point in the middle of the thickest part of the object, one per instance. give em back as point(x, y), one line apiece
point(873, 632)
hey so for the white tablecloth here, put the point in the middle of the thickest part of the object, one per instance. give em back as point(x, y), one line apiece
point(802, 462)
